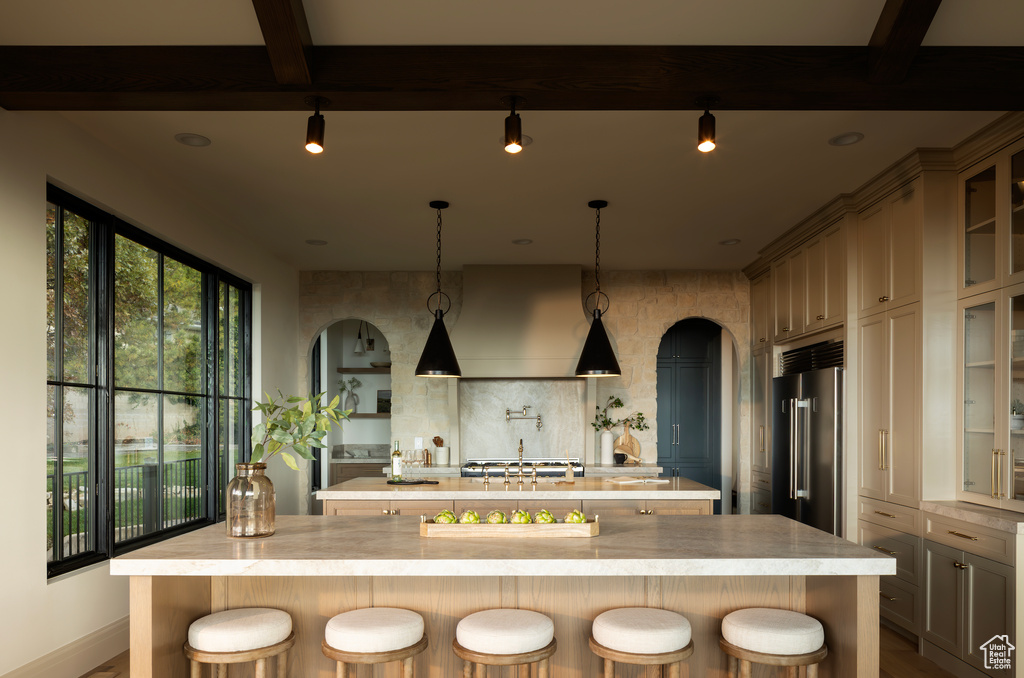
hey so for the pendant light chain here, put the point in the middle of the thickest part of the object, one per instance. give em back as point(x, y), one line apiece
point(597, 249)
point(439, 253)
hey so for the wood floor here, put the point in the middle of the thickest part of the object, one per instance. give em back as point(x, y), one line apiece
point(897, 656)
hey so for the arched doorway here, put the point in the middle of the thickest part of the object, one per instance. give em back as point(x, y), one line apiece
point(689, 395)
point(351, 359)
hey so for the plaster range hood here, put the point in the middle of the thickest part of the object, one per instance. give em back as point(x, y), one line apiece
point(520, 322)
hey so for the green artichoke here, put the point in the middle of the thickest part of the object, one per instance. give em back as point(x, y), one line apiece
point(543, 516)
point(445, 517)
point(575, 516)
point(496, 518)
point(469, 516)
point(521, 517)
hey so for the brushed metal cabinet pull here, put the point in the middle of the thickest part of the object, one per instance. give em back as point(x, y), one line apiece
point(785, 329)
point(958, 565)
point(883, 299)
point(762, 437)
point(962, 535)
point(385, 512)
point(885, 449)
point(820, 317)
point(884, 550)
point(880, 453)
point(995, 475)
point(883, 513)
point(889, 598)
point(762, 340)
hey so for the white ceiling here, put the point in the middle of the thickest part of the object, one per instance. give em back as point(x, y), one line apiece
point(367, 194)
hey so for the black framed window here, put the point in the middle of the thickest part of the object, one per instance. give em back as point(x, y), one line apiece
point(148, 385)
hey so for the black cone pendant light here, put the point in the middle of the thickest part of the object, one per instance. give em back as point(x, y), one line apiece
point(598, 358)
point(438, 358)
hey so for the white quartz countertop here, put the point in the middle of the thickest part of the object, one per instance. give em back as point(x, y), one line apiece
point(734, 545)
point(546, 488)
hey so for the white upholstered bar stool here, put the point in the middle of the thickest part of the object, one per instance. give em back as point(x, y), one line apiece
point(763, 635)
point(374, 635)
point(248, 634)
point(504, 637)
point(641, 635)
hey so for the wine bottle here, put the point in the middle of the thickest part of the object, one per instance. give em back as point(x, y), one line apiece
point(396, 463)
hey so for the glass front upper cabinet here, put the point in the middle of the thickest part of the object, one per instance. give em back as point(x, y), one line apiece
point(992, 222)
point(979, 397)
point(1009, 464)
point(980, 228)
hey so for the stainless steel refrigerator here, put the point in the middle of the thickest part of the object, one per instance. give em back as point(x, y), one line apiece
point(807, 447)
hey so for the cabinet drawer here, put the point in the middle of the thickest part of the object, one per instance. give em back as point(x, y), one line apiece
point(897, 602)
point(613, 507)
point(485, 506)
point(558, 507)
point(420, 507)
point(905, 548)
point(890, 515)
point(760, 501)
point(761, 481)
point(976, 539)
point(678, 507)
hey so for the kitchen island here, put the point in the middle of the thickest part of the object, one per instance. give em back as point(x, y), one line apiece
point(592, 495)
point(317, 566)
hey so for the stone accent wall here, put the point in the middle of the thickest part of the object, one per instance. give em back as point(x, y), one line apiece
point(396, 303)
point(644, 305)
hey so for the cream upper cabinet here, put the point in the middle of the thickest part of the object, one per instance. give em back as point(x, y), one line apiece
point(759, 312)
point(824, 287)
point(991, 417)
point(890, 394)
point(991, 207)
point(889, 251)
point(780, 299)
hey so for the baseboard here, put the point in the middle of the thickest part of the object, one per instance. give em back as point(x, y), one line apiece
point(78, 657)
point(954, 665)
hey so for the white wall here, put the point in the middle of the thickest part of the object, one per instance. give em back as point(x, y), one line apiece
point(41, 616)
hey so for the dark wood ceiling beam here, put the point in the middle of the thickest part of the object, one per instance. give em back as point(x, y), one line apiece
point(286, 34)
point(897, 38)
point(475, 78)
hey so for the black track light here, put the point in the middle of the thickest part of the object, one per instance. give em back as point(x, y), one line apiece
point(315, 126)
point(513, 125)
point(597, 358)
point(706, 126)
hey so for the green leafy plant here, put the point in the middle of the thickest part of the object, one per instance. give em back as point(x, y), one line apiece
point(1017, 407)
point(300, 427)
point(602, 422)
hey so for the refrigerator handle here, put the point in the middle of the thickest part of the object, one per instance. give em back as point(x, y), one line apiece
point(803, 451)
point(792, 446)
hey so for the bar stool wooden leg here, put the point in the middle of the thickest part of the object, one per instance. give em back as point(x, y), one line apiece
point(481, 671)
point(407, 667)
point(467, 669)
point(791, 672)
point(261, 668)
point(542, 668)
point(342, 670)
point(524, 671)
point(222, 671)
point(195, 669)
point(673, 669)
point(812, 671)
point(744, 668)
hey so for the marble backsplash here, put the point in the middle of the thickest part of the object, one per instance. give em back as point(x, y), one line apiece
point(484, 433)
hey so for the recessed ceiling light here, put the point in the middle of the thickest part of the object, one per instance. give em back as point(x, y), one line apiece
point(189, 139)
point(846, 139)
point(316, 243)
point(522, 241)
point(729, 241)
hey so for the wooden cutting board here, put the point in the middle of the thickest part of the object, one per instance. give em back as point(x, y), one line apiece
point(631, 445)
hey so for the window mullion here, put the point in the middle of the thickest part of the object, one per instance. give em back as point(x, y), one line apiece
point(160, 449)
point(58, 391)
point(102, 276)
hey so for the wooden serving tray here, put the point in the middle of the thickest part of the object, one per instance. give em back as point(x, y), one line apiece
point(428, 528)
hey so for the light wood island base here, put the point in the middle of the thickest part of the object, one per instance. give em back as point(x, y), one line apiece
point(702, 567)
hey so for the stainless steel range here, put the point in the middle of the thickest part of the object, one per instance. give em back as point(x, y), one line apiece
point(545, 466)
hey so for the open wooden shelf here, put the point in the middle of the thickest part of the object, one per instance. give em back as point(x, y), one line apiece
point(364, 370)
point(370, 415)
